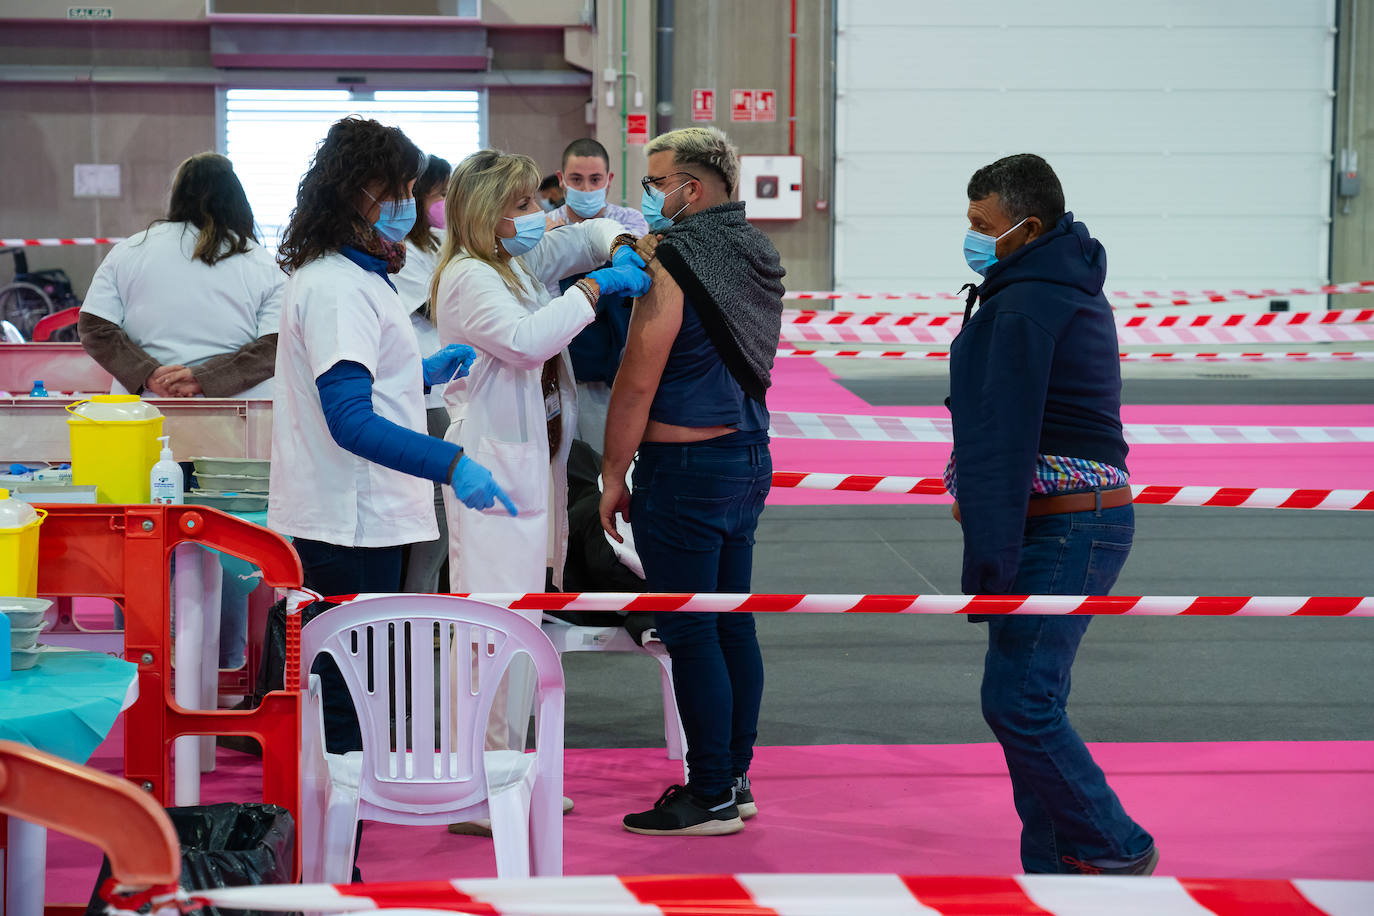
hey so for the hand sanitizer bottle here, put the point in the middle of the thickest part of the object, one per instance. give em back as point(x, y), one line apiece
point(166, 482)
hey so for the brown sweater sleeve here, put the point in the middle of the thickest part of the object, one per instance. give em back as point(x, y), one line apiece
point(231, 374)
point(117, 354)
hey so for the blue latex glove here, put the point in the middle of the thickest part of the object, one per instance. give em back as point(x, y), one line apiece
point(626, 256)
point(449, 363)
point(475, 488)
point(624, 281)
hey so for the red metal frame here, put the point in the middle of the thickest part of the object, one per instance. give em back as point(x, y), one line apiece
point(123, 553)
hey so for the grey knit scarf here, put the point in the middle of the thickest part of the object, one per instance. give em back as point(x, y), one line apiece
point(732, 275)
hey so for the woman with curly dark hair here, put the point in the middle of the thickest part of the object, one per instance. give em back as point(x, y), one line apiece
point(352, 462)
point(189, 305)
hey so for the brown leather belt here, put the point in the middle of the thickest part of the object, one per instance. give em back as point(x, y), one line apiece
point(1086, 501)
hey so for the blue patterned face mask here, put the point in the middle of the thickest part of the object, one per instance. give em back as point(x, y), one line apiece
point(529, 229)
point(980, 251)
point(651, 205)
point(396, 219)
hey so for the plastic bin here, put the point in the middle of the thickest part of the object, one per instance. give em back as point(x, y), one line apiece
point(114, 440)
point(19, 524)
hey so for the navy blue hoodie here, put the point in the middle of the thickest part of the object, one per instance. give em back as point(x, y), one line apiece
point(1035, 371)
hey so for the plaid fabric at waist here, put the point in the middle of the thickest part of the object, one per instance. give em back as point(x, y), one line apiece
point(1058, 474)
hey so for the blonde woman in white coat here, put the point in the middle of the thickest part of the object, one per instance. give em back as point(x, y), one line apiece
point(516, 412)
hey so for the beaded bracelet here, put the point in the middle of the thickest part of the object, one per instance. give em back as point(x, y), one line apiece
point(590, 288)
point(625, 238)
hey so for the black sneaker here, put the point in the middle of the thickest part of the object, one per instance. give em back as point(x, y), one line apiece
point(744, 798)
point(678, 812)
point(1145, 865)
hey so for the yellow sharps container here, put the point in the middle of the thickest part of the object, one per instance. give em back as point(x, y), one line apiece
point(19, 524)
point(114, 445)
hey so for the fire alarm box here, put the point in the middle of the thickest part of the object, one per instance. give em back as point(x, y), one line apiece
point(771, 186)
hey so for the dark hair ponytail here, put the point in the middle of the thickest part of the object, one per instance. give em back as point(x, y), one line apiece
point(207, 194)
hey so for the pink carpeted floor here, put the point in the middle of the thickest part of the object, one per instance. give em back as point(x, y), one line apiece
point(806, 385)
point(1225, 809)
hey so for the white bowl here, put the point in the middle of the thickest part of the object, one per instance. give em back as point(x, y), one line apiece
point(21, 659)
point(232, 483)
point(24, 637)
point(24, 612)
point(245, 467)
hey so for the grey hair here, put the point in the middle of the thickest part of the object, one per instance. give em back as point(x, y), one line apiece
point(706, 146)
point(1025, 186)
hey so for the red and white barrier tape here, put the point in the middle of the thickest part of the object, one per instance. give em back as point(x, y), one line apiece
point(1058, 605)
point(863, 428)
point(54, 243)
point(816, 895)
point(1148, 298)
point(1144, 494)
point(1128, 335)
point(816, 319)
point(1308, 356)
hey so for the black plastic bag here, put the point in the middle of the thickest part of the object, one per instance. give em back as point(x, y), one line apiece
point(226, 845)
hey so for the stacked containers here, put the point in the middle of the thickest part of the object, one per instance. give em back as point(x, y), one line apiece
point(114, 439)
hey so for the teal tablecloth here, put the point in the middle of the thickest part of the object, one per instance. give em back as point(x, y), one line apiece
point(67, 703)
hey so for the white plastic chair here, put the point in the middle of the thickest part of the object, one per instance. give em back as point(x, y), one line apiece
point(429, 767)
point(568, 637)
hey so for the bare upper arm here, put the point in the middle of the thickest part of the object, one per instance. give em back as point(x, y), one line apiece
point(654, 324)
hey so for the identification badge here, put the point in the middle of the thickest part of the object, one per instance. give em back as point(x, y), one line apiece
point(553, 405)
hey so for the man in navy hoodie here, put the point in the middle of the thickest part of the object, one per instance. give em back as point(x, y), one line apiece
point(1039, 475)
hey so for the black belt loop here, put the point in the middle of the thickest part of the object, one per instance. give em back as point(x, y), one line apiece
point(1097, 498)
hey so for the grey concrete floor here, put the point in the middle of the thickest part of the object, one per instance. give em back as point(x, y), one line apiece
point(914, 679)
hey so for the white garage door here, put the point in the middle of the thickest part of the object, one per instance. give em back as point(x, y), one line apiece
point(1193, 138)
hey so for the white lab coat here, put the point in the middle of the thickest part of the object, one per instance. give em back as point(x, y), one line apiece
point(182, 311)
point(498, 412)
point(412, 284)
point(334, 311)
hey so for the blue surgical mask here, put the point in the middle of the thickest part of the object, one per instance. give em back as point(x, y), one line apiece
point(529, 229)
point(651, 205)
point(396, 218)
point(980, 251)
point(585, 204)
point(545, 204)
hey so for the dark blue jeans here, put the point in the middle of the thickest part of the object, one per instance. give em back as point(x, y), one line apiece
point(694, 510)
point(334, 570)
point(1067, 810)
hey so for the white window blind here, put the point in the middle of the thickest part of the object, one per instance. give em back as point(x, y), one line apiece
point(271, 136)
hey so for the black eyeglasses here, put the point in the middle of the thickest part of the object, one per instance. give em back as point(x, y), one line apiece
point(649, 180)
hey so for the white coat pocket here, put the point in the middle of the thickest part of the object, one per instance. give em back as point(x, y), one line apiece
point(519, 468)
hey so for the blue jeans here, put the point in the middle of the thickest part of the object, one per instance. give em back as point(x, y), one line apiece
point(1067, 810)
point(694, 510)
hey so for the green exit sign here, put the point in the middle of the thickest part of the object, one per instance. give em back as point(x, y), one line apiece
point(90, 12)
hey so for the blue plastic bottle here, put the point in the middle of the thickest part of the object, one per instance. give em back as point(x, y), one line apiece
point(38, 390)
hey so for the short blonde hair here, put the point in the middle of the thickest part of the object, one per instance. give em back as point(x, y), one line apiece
point(706, 146)
point(480, 190)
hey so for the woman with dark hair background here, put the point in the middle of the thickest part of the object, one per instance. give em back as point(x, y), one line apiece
point(189, 306)
point(351, 459)
point(424, 562)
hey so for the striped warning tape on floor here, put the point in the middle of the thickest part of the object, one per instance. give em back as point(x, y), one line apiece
point(816, 895)
point(863, 428)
